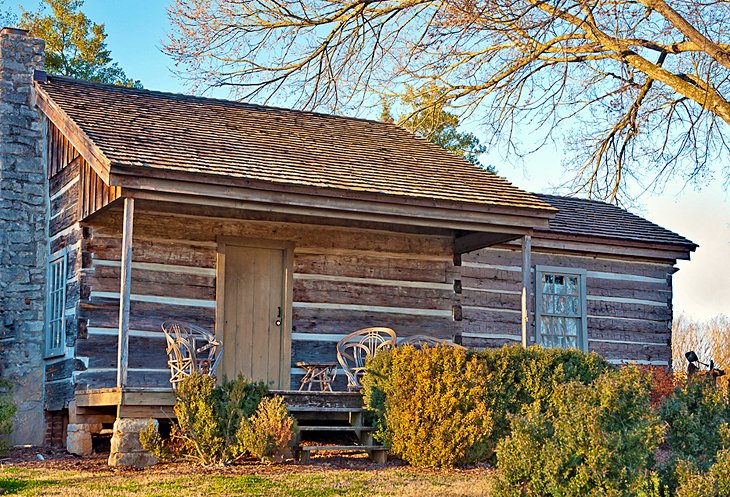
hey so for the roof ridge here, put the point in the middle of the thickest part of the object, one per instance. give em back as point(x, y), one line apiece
point(203, 99)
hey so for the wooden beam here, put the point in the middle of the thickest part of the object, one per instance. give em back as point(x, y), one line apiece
point(292, 202)
point(75, 135)
point(125, 293)
point(526, 294)
point(475, 241)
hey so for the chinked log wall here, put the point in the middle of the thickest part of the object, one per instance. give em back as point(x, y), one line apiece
point(344, 279)
point(628, 301)
point(74, 191)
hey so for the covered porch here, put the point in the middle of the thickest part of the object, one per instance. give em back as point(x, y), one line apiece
point(151, 259)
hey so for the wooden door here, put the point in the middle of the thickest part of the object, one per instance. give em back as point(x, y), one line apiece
point(256, 341)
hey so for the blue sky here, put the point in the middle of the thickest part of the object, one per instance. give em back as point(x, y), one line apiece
point(136, 31)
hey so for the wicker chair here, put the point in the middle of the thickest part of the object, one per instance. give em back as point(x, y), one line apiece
point(354, 350)
point(190, 349)
point(419, 341)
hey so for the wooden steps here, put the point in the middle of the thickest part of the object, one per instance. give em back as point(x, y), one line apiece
point(325, 409)
point(332, 421)
point(336, 428)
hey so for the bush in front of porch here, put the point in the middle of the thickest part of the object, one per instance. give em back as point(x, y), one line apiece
point(469, 396)
point(223, 424)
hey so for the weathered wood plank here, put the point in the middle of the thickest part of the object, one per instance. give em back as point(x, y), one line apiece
point(608, 327)
point(65, 238)
point(144, 352)
point(303, 235)
point(106, 279)
point(629, 310)
point(146, 316)
point(375, 295)
point(631, 351)
point(104, 379)
point(108, 247)
point(360, 266)
point(345, 321)
point(502, 257)
point(58, 394)
point(61, 370)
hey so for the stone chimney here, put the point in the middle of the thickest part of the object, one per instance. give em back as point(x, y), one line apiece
point(23, 232)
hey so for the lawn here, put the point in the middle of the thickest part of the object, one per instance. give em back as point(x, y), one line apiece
point(324, 477)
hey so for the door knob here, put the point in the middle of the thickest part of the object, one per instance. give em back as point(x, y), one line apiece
point(278, 316)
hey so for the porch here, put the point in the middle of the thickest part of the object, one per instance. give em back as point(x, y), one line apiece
point(327, 421)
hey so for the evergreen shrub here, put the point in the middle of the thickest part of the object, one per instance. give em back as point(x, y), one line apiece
point(431, 402)
point(7, 411)
point(406, 383)
point(222, 424)
point(585, 440)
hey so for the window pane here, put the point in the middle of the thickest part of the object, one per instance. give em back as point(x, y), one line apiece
point(561, 310)
point(56, 305)
point(572, 285)
point(547, 283)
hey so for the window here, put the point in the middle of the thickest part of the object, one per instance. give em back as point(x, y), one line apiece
point(560, 307)
point(55, 330)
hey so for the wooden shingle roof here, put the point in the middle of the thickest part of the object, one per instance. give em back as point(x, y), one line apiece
point(158, 131)
point(582, 217)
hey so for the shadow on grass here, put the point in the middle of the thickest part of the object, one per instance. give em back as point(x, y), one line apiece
point(14, 485)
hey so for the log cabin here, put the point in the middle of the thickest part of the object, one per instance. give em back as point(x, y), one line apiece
point(281, 231)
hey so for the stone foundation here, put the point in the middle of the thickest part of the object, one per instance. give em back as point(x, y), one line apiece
point(126, 448)
point(78, 438)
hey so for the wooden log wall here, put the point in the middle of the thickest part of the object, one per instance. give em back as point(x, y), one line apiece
point(344, 280)
point(65, 236)
point(629, 302)
point(75, 192)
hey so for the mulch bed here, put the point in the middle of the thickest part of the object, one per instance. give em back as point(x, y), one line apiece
point(57, 459)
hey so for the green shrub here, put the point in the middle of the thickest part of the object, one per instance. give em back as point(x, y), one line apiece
point(517, 376)
point(153, 442)
point(209, 417)
point(235, 400)
point(7, 411)
point(696, 414)
point(714, 483)
point(512, 377)
point(432, 403)
point(374, 384)
point(269, 432)
point(585, 440)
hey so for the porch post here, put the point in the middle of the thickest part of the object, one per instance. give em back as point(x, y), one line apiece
point(526, 249)
point(124, 293)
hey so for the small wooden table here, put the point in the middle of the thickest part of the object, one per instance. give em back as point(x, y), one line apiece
point(318, 372)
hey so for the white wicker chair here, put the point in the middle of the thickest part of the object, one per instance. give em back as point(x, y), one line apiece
point(419, 341)
point(190, 348)
point(354, 350)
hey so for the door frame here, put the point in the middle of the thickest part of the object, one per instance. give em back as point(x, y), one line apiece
point(287, 293)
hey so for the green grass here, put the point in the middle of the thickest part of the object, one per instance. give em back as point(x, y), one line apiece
point(184, 480)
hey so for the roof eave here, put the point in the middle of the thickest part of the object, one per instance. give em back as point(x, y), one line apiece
point(664, 249)
point(74, 134)
point(244, 193)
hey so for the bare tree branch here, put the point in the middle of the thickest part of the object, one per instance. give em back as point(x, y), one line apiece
point(637, 89)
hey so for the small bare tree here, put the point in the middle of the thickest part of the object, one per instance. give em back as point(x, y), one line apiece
point(709, 339)
point(641, 85)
